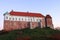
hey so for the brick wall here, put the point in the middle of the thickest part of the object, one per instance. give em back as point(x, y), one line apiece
point(33, 25)
point(12, 25)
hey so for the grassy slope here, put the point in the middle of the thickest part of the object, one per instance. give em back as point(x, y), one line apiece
point(35, 34)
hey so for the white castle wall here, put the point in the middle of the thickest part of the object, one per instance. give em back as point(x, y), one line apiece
point(22, 18)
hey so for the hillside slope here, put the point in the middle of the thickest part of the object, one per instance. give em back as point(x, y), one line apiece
point(30, 34)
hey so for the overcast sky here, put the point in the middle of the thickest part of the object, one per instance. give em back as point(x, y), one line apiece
point(44, 7)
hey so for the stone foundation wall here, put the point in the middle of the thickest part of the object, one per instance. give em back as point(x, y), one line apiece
point(13, 25)
point(33, 25)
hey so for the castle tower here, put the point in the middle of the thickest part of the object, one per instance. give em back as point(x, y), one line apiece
point(48, 21)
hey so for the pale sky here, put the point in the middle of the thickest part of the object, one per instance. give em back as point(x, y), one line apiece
point(44, 7)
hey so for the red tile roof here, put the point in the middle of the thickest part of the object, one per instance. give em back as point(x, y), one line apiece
point(26, 14)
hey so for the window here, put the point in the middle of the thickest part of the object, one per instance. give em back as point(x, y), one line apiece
point(31, 19)
point(6, 17)
point(22, 18)
point(19, 18)
point(13, 18)
point(9, 18)
point(16, 18)
point(28, 19)
point(38, 20)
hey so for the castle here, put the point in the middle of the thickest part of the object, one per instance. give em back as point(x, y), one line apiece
point(19, 20)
